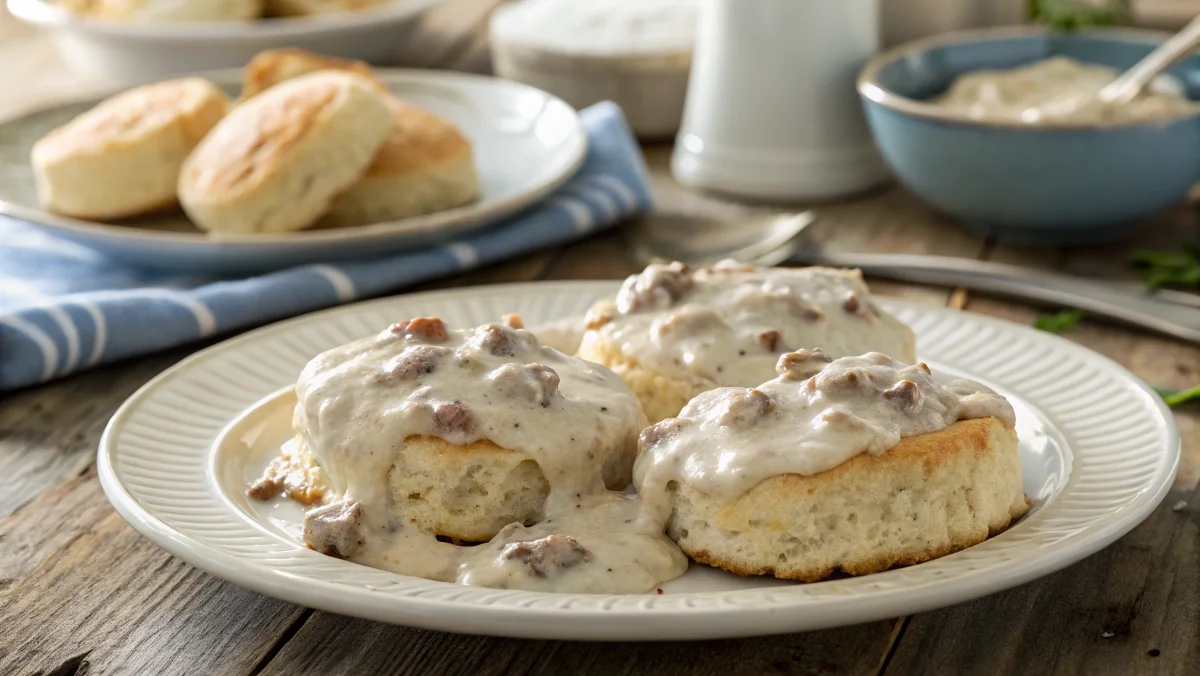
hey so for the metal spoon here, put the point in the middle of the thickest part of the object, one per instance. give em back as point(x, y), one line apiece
point(772, 240)
point(1131, 83)
point(699, 241)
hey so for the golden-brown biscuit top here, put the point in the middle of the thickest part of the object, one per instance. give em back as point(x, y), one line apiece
point(270, 67)
point(126, 118)
point(255, 139)
point(418, 140)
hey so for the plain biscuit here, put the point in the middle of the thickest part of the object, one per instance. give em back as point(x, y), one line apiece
point(928, 496)
point(425, 165)
point(269, 68)
point(470, 492)
point(123, 157)
point(277, 161)
point(662, 396)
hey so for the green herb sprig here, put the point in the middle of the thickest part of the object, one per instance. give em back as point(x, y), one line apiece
point(1059, 321)
point(1069, 15)
point(1168, 268)
point(1178, 397)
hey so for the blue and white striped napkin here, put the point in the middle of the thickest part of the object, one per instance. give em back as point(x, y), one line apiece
point(65, 308)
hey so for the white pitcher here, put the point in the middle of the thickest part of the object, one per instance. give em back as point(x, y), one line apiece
point(772, 112)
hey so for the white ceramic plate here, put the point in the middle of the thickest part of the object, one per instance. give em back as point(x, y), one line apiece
point(1098, 449)
point(124, 50)
point(526, 143)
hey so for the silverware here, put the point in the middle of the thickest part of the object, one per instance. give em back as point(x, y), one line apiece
point(1131, 83)
point(764, 241)
point(1099, 298)
point(775, 239)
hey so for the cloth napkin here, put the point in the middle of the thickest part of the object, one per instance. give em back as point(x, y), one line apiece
point(65, 308)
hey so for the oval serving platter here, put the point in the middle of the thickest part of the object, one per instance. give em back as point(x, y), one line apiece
point(1098, 449)
point(526, 143)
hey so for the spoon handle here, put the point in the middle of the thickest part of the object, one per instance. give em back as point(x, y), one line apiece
point(1130, 83)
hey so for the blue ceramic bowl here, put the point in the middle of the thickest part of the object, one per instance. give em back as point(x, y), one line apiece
point(1035, 185)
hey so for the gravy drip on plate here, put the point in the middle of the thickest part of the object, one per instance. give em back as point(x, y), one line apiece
point(357, 404)
point(1057, 90)
point(728, 324)
point(817, 414)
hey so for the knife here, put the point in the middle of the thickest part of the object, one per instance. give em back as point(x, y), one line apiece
point(1172, 313)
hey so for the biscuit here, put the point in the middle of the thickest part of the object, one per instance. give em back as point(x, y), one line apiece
point(277, 161)
point(673, 332)
point(269, 68)
point(930, 495)
point(461, 433)
point(425, 165)
point(123, 157)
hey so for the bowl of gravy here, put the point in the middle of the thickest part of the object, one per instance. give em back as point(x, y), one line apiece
point(1003, 129)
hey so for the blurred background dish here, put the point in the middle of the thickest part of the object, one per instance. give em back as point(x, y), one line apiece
point(1056, 183)
point(128, 50)
point(525, 141)
point(635, 53)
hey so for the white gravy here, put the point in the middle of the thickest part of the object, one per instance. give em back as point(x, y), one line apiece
point(359, 402)
point(816, 415)
point(727, 325)
point(1057, 90)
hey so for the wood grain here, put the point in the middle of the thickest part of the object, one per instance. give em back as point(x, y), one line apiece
point(1130, 609)
point(127, 606)
point(49, 434)
point(330, 644)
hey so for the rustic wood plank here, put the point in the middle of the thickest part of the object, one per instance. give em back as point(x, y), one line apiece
point(49, 433)
point(330, 644)
point(1130, 609)
point(127, 606)
point(55, 519)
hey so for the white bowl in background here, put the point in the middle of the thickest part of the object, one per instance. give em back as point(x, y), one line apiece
point(636, 53)
point(130, 51)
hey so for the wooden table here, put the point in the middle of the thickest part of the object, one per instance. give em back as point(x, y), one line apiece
point(82, 592)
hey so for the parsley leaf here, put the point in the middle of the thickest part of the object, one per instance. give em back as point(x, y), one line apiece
point(1059, 321)
point(1177, 397)
point(1168, 268)
point(1069, 15)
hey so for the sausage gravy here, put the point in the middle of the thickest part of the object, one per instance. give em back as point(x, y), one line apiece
point(1057, 90)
